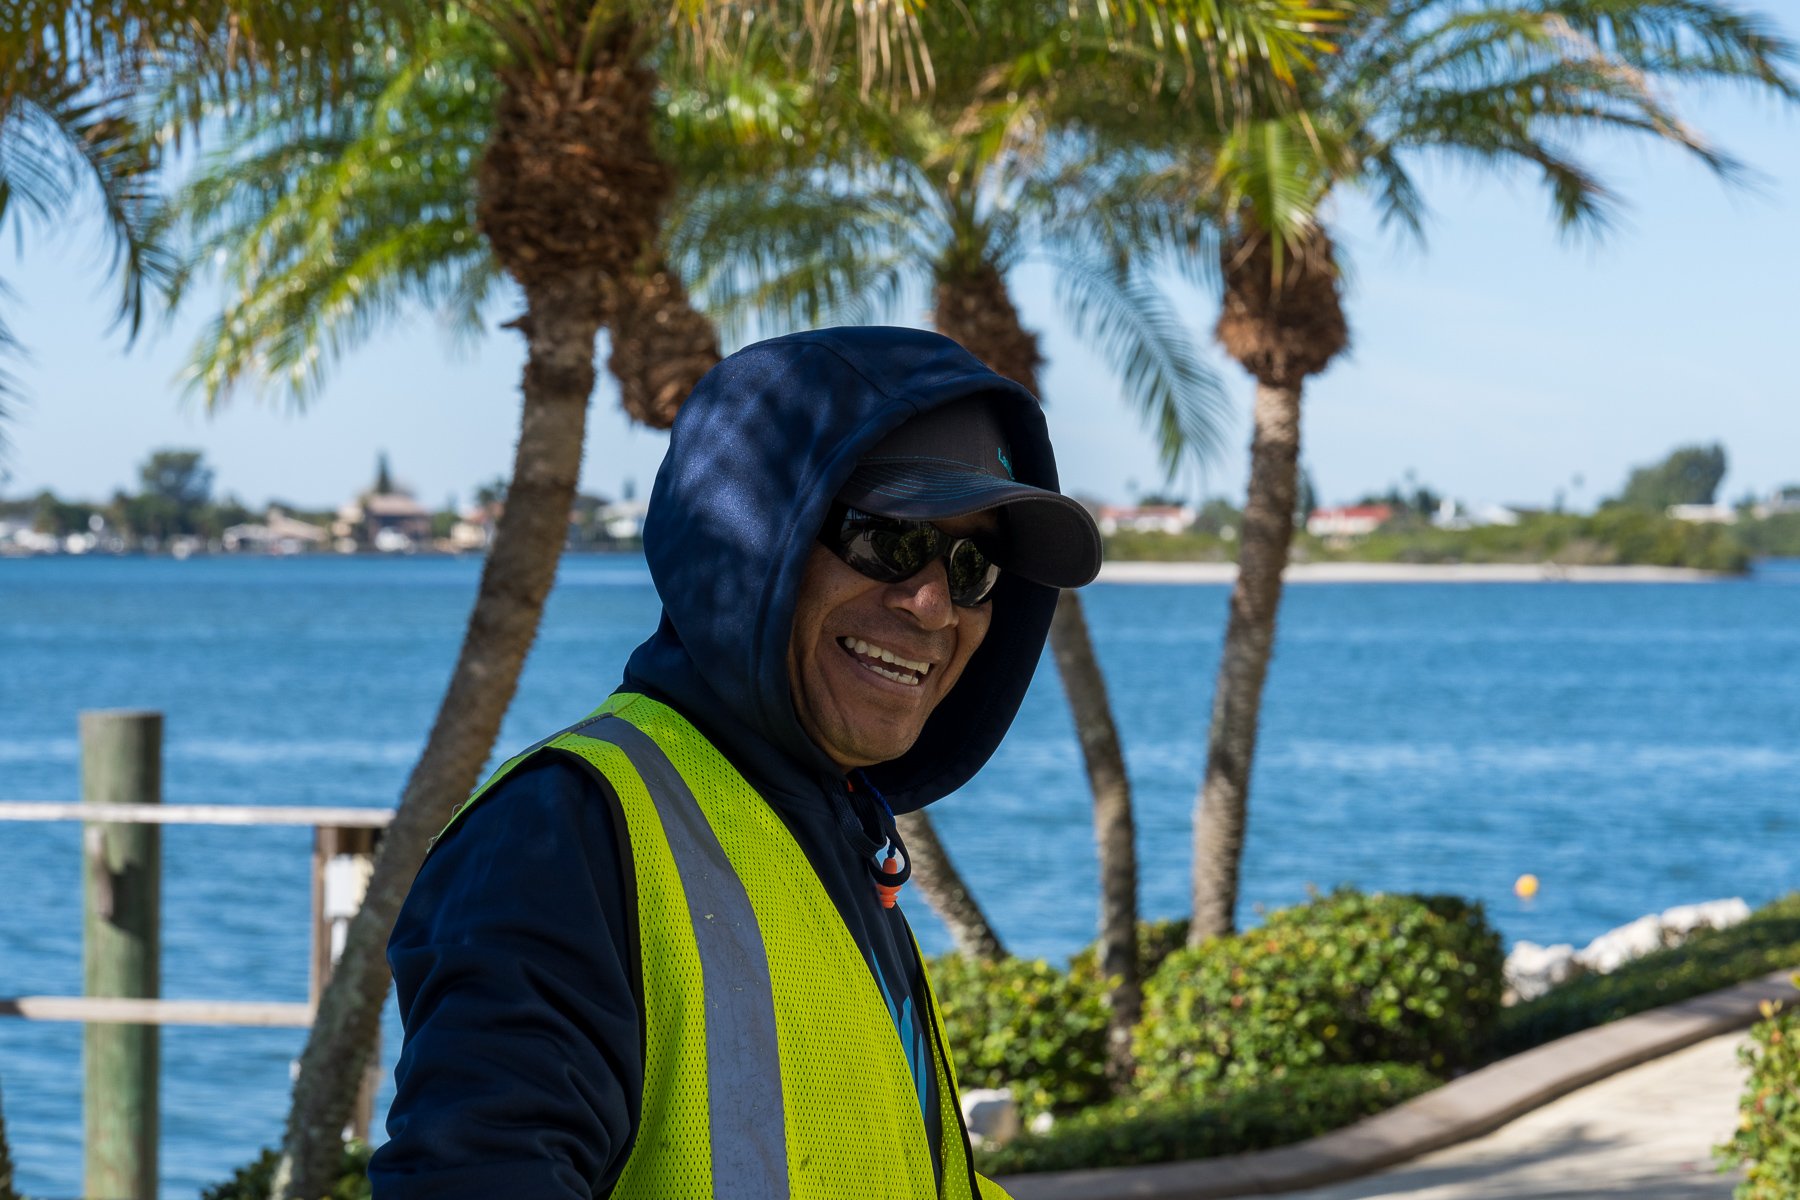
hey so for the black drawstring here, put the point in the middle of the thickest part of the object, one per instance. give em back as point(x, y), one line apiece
point(884, 876)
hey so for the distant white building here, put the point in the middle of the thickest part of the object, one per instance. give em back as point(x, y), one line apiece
point(474, 528)
point(1150, 518)
point(1704, 514)
point(391, 522)
point(623, 521)
point(276, 533)
point(1452, 514)
point(1353, 520)
point(19, 538)
point(1785, 501)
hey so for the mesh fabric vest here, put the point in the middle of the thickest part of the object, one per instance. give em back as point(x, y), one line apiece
point(772, 1068)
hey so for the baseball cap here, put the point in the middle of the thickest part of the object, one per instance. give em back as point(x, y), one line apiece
point(954, 461)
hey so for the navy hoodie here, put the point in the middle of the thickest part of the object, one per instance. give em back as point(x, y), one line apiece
point(514, 956)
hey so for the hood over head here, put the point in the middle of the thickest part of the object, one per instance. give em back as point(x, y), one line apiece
point(756, 457)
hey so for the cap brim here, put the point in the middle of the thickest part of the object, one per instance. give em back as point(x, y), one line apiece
point(1050, 539)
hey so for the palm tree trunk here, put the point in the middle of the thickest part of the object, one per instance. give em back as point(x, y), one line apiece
point(975, 309)
point(943, 888)
point(516, 580)
point(569, 194)
point(661, 345)
point(1268, 531)
point(1115, 831)
point(1283, 320)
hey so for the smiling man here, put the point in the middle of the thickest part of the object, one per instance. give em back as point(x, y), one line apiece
point(659, 954)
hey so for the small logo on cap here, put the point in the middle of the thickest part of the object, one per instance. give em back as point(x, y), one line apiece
point(1005, 462)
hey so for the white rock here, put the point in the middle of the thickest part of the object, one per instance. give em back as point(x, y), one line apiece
point(1615, 948)
point(1713, 914)
point(1532, 970)
point(991, 1115)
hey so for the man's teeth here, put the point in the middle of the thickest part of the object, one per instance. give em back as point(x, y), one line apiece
point(910, 672)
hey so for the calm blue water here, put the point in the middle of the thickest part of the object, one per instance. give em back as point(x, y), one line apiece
point(1636, 746)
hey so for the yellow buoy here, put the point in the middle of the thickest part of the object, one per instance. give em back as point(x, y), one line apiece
point(1526, 887)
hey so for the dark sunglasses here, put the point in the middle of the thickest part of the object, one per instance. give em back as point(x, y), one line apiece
point(889, 549)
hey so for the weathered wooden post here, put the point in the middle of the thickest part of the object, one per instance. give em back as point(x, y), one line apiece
point(343, 860)
point(121, 763)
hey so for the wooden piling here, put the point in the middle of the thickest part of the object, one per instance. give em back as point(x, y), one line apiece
point(121, 763)
point(343, 859)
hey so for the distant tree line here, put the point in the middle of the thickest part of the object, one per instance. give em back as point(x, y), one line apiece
point(1630, 528)
point(175, 499)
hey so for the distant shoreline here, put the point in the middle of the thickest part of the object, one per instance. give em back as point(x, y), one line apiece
point(1369, 572)
point(1112, 571)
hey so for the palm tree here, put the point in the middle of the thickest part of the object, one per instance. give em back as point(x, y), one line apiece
point(1498, 86)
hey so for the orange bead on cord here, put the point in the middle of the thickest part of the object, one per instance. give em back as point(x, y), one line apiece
point(890, 893)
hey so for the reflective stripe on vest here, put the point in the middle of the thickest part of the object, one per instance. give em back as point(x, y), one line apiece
point(773, 1070)
point(743, 1059)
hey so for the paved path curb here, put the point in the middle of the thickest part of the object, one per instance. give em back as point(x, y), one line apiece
point(1478, 1103)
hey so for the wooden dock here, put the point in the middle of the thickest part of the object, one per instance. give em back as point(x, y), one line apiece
point(122, 1007)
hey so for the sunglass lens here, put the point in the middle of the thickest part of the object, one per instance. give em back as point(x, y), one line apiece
point(972, 574)
point(906, 551)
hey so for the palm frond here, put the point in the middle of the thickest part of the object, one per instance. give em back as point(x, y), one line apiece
point(1397, 197)
point(797, 251)
point(1689, 39)
point(1141, 337)
point(61, 137)
point(1130, 208)
point(1499, 85)
point(287, 329)
point(10, 349)
point(1279, 176)
point(201, 55)
point(324, 230)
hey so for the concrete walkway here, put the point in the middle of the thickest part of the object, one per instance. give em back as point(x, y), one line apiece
point(1638, 1067)
point(1646, 1134)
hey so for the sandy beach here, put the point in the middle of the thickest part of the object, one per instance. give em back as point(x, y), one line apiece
point(1359, 572)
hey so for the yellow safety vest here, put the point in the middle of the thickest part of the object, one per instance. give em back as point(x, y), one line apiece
point(772, 1068)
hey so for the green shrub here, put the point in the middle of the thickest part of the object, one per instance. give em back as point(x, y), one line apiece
point(1768, 1137)
point(1156, 940)
point(253, 1180)
point(1288, 1106)
point(1709, 960)
point(1347, 978)
point(1025, 1025)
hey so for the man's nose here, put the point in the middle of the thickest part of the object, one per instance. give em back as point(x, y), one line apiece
point(926, 596)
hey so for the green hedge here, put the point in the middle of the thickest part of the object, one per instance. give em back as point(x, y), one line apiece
point(1286, 1107)
point(1025, 1025)
point(1767, 1142)
point(1709, 960)
point(1156, 940)
point(1347, 978)
point(253, 1180)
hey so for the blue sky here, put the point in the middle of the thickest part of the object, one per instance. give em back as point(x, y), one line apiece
point(1499, 363)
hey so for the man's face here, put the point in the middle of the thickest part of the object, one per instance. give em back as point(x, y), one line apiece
point(857, 707)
